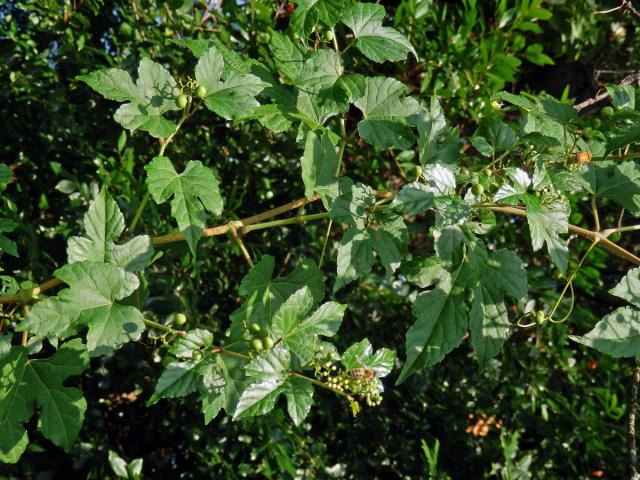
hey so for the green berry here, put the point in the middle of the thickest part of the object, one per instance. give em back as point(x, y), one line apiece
point(182, 101)
point(201, 92)
point(126, 30)
point(180, 319)
point(197, 356)
point(418, 171)
point(256, 345)
point(263, 37)
point(596, 123)
point(329, 36)
point(607, 112)
point(589, 132)
point(268, 343)
point(477, 189)
point(539, 316)
point(487, 172)
point(254, 328)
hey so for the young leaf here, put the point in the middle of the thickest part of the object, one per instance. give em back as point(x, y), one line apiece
point(361, 355)
point(629, 287)
point(441, 321)
point(30, 384)
point(288, 55)
point(298, 330)
point(104, 224)
point(320, 71)
point(150, 97)
point(437, 142)
point(264, 295)
point(320, 167)
point(308, 13)
point(232, 98)
point(268, 373)
point(353, 203)
point(414, 198)
point(617, 334)
point(193, 341)
point(355, 257)
point(194, 191)
point(385, 109)
point(619, 182)
point(177, 380)
point(376, 42)
point(488, 319)
point(299, 394)
point(384, 232)
point(546, 223)
point(91, 300)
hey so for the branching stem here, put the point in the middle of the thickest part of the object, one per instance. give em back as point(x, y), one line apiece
point(163, 328)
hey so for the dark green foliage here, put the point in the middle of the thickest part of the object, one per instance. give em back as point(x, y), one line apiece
point(132, 126)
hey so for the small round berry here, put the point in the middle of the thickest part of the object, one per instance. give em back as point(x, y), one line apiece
point(201, 92)
point(477, 189)
point(255, 328)
point(607, 112)
point(256, 345)
point(182, 101)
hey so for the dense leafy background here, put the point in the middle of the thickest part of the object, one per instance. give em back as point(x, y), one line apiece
point(562, 403)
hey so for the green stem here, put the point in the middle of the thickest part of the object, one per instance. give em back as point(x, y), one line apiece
point(139, 211)
point(318, 383)
point(286, 221)
point(162, 328)
point(324, 245)
point(571, 277)
point(229, 353)
point(240, 243)
point(611, 231)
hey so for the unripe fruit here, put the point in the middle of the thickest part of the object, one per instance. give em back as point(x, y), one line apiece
point(597, 123)
point(201, 92)
point(263, 37)
point(181, 101)
point(607, 112)
point(539, 316)
point(329, 36)
point(256, 345)
point(126, 30)
point(418, 171)
point(588, 132)
point(477, 189)
point(180, 319)
point(197, 356)
point(254, 328)
point(486, 172)
point(268, 343)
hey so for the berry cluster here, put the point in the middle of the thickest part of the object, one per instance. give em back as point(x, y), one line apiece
point(259, 338)
point(348, 382)
point(193, 90)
